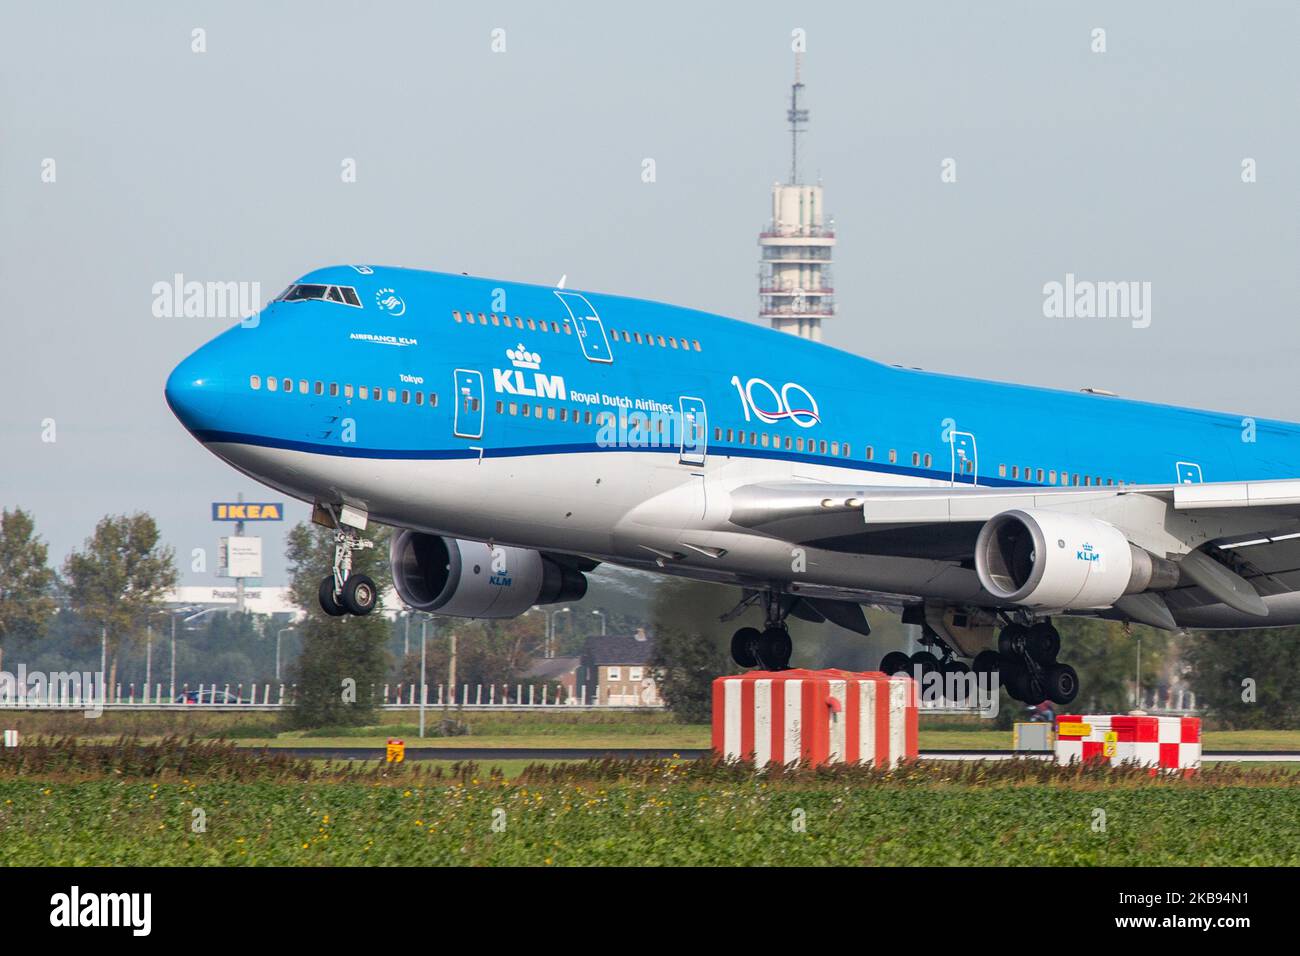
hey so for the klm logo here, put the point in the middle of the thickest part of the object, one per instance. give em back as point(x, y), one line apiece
point(514, 382)
point(542, 385)
point(1087, 553)
point(500, 580)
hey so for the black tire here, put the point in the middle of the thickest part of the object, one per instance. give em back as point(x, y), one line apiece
point(1043, 642)
point(924, 660)
point(1010, 638)
point(359, 595)
point(327, 603)
point(1062, 684)
point(894, 662)
point(1014, 677)
point(986, 662)
point(743, 643)
point(775, 648)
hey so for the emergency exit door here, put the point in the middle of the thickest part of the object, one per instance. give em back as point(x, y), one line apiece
point(468, 393)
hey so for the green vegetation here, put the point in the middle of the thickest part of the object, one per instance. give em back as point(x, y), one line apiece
point(62, 803)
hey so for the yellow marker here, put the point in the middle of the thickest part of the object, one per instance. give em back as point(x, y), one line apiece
point(1108, 746)
point(396, 751)
point(1073, 729)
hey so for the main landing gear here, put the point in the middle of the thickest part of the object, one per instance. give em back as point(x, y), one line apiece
point(1025, 662)
point(344, 592)
point(939, 657)
point(769, 648)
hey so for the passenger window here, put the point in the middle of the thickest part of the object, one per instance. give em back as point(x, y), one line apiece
point(406, 397)
point(392, 394)
point(835, 448)
point(419, 398)
point(320, 388)
point(455, 314)
point(586, 418)
point(696, 343)
point(347, 391)
point(255, 381)
point(916, 459)
point(1002, 471)
point(272, 383)
point(496, 319)
point(568, 329)
point(528, 411)
point(363, 393)
point(302, 386)
point(893, 456)
point(788, 443)
point(823, 446)
point(550, 413)
point(927, 460)
point(871, 453)
point(334, 389)
point(500, 407)
point(433, 399)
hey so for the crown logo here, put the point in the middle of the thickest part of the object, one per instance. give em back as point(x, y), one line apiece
point(520, 357)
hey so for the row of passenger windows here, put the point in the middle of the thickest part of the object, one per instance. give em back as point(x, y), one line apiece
point(552, 413)
point(788, 442)
point(1050, 476)
point(333, 389)
point(532, 325)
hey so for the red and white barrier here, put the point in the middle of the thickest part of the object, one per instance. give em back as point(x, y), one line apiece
point(815, 717)
point(1167, 743)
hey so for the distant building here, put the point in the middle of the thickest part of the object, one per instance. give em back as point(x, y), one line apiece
point(795, 288)
point(616, 670)
point(556, 670)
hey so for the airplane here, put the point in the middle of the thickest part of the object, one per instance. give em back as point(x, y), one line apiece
point(516, 436)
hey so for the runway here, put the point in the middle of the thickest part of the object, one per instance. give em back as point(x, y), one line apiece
point(485, 754)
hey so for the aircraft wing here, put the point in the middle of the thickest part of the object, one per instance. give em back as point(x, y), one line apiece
point(1251, 528)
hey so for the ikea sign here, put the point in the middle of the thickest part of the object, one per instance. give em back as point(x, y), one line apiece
point(247, 511)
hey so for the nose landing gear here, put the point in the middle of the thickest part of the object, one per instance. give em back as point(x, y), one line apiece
point(344, 592)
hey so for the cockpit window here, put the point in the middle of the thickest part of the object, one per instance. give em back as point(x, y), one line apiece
point(342, 294)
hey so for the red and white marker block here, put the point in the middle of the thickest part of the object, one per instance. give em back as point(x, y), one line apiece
point(11, 738)
point(1167, 743)
point(815, 717)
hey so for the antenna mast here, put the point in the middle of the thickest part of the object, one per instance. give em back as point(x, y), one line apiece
point(798, 118)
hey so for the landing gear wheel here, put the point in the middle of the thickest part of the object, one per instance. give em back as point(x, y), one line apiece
point(924, 660)
point(327, 602)
point(774, 648)
point(895, 662)
point(743, 643)
point(359, 594)
point(986, 662)
point(1062, 683)
point(1011, 639)
point(1042, 642)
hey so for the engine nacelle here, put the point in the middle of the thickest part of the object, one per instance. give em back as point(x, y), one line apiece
point(1050, 559)
point(454, 577)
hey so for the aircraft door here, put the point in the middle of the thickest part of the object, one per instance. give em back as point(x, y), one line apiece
point(965, 458)
point(468, 394)
point(588, 326)
point(693, 423)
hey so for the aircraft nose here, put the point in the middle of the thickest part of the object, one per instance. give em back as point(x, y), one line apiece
point(194, 393)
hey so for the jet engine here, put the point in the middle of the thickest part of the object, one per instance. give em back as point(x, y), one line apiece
point(1055, 560)
point(470, 579)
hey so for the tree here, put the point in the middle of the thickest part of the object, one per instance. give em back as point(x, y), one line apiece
point(119, 579)
point(342, 658)
point(689, 641)
point(26, 580)
point(1244, 680)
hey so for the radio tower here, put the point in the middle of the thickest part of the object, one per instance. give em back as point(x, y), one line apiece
point(795, 288)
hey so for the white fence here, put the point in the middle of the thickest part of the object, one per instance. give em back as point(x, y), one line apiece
point(277, 696)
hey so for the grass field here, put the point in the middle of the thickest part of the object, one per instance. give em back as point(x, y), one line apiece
point(69, 804)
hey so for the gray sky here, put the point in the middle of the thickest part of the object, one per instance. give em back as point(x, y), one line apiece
point(1122, 165)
